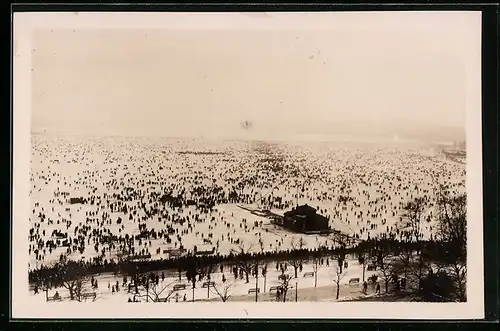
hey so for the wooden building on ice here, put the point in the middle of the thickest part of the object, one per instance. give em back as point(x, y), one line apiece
point(305, 219)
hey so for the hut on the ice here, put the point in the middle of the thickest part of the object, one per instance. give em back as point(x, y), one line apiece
point(305, 219)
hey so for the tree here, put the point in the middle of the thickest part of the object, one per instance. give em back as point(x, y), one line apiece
point(296, 261)
point(340, 260)
point(131, 270)
point(191, 273)
point(338, 276)
point(285, 285)
point(362, 261)
point(198, 269)
point(316, 260)
point(452, 232)
point(413, 217)
point(79, 288)
point(413, 214)
point(157, 293)
point(72, 276)
point(223, 291)
point(452, 222)
point(384, 263)
point(244, 260)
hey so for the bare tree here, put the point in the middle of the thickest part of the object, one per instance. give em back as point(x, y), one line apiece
point(452, 231)
point(131, 270)
point(316, 260)
point(285, 285)
point(157, 293)
point(337, 277)
point(362, 261)
point(413, 213)
point(340, 261)
point(223, 291)
point(385, 264)
point(413, 218)
point(71, 275)
point(452, 221)
point(244, 260)
point(79, 288)
point(296, 261)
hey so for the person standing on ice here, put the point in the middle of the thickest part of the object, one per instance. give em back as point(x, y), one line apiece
point(365, 287)
point(377, 289)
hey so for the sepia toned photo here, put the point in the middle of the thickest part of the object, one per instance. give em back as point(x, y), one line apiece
point(263, 165)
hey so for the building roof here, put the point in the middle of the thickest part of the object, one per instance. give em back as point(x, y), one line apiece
point(305, 208)
point(301, 210)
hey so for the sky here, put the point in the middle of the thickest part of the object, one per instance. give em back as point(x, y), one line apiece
point(356, 75)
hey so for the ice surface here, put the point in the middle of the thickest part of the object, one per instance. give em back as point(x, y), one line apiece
point(376, 180)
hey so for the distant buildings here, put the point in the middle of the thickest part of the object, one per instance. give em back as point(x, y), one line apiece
point(304, 219)
point(462, 146)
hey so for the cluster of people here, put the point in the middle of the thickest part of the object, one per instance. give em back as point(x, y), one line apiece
point(97, 200)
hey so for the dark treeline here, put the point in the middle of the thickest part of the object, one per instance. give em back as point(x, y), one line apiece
point(371, 249)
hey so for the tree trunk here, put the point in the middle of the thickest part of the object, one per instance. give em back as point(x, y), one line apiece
point(295, 269)
point(386, 286)
point(338, 292)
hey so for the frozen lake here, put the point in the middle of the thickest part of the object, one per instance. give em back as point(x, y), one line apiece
point(360, 187)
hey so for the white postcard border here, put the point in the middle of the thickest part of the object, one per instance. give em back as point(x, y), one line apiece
point(26, 23)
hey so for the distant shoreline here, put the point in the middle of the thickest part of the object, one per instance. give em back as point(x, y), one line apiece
point(299, 138)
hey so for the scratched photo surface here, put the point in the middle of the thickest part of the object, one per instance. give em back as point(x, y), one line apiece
point(252, 164)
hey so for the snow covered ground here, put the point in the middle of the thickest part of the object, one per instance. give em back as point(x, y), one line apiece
point(375, 181)
point(237, 289)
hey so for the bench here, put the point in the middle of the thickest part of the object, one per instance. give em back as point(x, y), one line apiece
point(274, 289)
point(253, 290)
point(178, 287)
point(208, 284)
point(354, 281)
point(54, 298)
point(308, 274)
point(165, 299)
point(89, 295)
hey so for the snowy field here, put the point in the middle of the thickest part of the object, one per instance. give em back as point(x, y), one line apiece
point(361, 188)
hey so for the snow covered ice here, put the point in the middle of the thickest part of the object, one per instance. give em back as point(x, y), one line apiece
point(360, 187)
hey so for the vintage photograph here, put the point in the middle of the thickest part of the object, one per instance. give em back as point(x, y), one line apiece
point(252, 161)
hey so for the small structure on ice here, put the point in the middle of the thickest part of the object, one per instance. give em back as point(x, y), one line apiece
point(304, 219)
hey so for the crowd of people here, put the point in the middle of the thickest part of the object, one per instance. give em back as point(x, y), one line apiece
point(101, 201)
